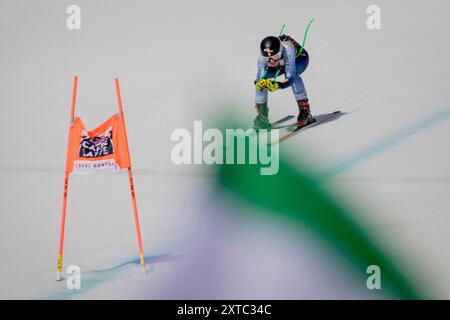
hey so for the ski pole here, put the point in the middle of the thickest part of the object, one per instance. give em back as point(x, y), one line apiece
point(282, 29)
point(304, 37)
point(276, 74)
point(66, 185)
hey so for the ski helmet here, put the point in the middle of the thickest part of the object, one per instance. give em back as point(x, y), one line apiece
point(270, 46)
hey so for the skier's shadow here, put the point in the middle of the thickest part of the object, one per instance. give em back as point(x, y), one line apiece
point(328, 117)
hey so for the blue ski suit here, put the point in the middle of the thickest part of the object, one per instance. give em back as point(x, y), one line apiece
point(292, 69)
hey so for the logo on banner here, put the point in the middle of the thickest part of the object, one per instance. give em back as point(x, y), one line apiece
point(95, 147)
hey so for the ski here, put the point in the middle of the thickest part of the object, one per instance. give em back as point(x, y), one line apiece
point(293, 129)
point(278, 122)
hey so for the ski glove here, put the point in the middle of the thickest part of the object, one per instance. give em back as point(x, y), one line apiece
point(267, 84)
point(261, 84)
point(272, 85)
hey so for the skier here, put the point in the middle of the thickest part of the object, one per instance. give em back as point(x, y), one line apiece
point(280, 56)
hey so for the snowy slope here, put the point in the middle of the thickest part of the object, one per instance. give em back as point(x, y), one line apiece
point(185, 61)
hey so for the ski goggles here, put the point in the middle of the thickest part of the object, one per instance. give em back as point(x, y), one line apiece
point(275, 57)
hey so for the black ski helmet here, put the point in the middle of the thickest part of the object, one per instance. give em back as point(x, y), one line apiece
point(270, 46)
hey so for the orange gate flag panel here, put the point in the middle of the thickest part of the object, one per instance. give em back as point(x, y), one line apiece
point(103, 149)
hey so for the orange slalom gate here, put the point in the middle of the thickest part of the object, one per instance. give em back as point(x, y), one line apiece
point(103, 149)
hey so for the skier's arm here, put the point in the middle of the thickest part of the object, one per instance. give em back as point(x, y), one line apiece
point(284, 84)
point(261, 67)
point(289, 67)
point(260, 82)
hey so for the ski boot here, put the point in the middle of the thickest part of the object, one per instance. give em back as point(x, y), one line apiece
point(304, 115)
point(262, 119)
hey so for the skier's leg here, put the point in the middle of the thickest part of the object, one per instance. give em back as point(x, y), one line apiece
point(261, 96)
point(298, 88)
point(304, 114)
point(302, 62)
point(262, 119)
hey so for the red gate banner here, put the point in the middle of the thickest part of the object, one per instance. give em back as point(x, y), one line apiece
point(103, 149)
